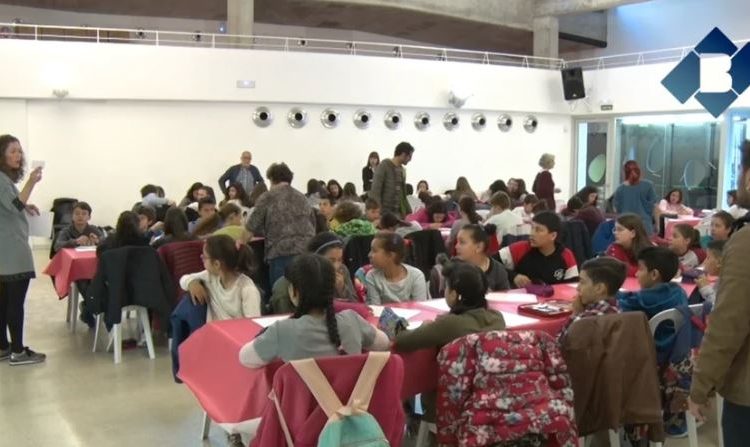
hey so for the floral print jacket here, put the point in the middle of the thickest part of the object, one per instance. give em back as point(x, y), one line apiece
point(504, 387)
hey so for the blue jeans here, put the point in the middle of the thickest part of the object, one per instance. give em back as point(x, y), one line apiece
point(736, 425)
point(276, 267)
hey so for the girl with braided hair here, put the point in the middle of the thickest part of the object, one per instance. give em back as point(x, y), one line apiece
point(314, 330)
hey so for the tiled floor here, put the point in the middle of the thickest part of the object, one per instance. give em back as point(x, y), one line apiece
point(80, 399)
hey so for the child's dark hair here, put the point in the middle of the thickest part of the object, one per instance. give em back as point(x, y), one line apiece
point(661, 259)
point(149, 189)
point(469, 282)
point(347, 211)
point(206, 201)
point(480, 234)
point(667, 196)
point(550, 220)
point(323, 195)
point(194, 187)
point(233, 256)
point(372, 204)
point(425, 197)
point(716, 247)
point(322, 242)
point(574, 204)
point(498, 186)
point(469, 207)
point(127, 231)
point(83, 206)
point(689, 232)
point(392, 243)
point(314, 279)
point(389, 219)
point(725, 218)
point(313, 187)
point(176, 224)
point(409, 189)
point(606, 270)
point(241, 194)
point(145, 210)
point(501, 200)
point(530, 199)
point(436, 206)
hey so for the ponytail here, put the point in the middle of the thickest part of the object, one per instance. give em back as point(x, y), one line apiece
point(314, 278)
point(332, 326)
point(233, 256)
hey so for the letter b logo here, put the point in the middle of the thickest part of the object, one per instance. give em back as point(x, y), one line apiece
point(714, 74)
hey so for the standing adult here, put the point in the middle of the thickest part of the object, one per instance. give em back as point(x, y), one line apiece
point(636, 196)
point(389, 181)
point(724, 361)
point(544, 186)
point(16, 263)
point(368, 172)
point(285, 218)
point(244, 173)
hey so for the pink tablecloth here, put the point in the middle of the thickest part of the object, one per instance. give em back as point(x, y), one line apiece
point(670, 223)
point(70, 265)
point(231, 393)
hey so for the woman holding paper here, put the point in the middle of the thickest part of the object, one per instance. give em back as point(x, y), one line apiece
point(16, 263)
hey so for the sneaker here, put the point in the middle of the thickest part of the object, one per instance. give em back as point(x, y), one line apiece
point(27, 357)
point(677, 430)
point(4, 354)
point(85, 316)
point(234, 440)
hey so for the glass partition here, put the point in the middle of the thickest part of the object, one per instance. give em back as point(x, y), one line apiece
point(674, 151)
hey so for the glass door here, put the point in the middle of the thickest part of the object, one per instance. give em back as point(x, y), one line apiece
point(739, 131)
point(591, 140)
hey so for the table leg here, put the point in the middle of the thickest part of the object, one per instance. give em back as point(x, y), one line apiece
point(67, 311)
point(73, 303)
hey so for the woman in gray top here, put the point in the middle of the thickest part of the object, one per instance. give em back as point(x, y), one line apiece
point(16, 263)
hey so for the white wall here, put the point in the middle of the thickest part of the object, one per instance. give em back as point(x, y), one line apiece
point(104, 151)
point(660, 24)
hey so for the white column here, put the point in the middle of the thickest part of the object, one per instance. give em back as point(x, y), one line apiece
point(546, 36)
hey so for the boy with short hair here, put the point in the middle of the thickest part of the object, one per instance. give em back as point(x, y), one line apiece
point(712, 266)
point(206, 209)
point(505, 221)
point(153, 196)
point(600, 280)
point(148, 225)
point(541, 259)
point(327, 206)
point(721, 228)
point(372, 211)
point(79, 233)
point(656, 268)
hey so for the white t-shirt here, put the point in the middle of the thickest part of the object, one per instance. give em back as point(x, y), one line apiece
point(506, 222)
point(526, 217)
point(242, 300)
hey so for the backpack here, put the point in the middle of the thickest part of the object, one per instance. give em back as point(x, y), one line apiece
point(348, 425)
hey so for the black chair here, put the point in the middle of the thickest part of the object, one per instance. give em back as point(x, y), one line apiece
point(191, 214)
point(357, 253)
point(426, 245)
point(575, 236)
point(62, 209)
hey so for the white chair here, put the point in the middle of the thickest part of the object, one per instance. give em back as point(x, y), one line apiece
point(115, 335)
point(205, 426)
point(676, 318)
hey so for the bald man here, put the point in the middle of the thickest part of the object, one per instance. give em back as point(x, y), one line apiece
point(244, 173)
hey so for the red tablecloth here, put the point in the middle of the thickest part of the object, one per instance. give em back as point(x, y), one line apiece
point(231, 393)
point(70, 265)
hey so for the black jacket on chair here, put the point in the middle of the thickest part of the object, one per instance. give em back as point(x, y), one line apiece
point(130, 276)
point(425, 246)
point(576, 237)
point(357, 253)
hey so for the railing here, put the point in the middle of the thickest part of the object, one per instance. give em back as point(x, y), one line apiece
point(208, 40)
point(644, 57)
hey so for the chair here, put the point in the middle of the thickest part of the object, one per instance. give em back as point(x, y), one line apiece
point(181, 258)
point(258, 246)
point(305, 419)
point(612, 364)
point(115, 335)
point(425, 246)
point(62, 209)
point(603, 236)
point(677, 319)
point(357, 253)
point(575, 236)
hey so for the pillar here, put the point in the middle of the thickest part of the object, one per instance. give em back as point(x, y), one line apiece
point(240, 17)
point(546, 36)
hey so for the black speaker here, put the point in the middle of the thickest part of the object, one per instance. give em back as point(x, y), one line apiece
point(572, 79)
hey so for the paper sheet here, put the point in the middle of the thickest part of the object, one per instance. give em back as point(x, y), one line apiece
point(414, 325)
point(520, 298)
point(86, 248)
point(403, 313)
point(267, 321)
point(41, 225)
point(515, 320)
point(438, 304)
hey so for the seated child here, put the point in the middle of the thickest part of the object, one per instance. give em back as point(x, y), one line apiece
point(721, 228)
point(685, 239)
point(127, 233)
point(372, 211)
point(331, 247)
point(348, 215)
point(630, 238)
point(391, 223)
point(79, 233)
point(314, 330)
point(434, 216)
point(506, 222)
point(465, 290)
point(229, 220)
point(206, 209)
point(175, 228)
point(541, 259)
point(526, 211)
point(712, 266)
point(149, 227)
point(225, 284)
point(327, 207)
point(390, 280)
point(600, 280)
point(151, 197)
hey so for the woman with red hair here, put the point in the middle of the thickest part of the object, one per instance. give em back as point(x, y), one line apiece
point(636, 196)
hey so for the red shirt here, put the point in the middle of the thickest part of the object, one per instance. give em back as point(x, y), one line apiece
point(618, 252)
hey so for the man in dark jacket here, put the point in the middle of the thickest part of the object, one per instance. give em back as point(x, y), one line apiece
point(244, 173)
point(389, 181)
